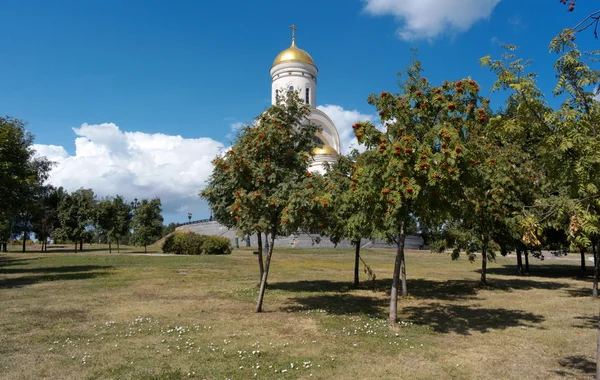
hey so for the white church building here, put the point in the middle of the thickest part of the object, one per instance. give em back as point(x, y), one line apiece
point(294, 70)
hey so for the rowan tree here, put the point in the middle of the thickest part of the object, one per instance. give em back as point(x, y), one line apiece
point(563, 142)
point(347, 218)
point(266, 173)
point(415, 164)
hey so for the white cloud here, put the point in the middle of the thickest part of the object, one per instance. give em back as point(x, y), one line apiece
point(426, 19)
point(136, 165)
point(235, 128)
point(344, 120)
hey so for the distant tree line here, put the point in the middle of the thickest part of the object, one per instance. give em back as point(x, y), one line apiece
point(29, 206)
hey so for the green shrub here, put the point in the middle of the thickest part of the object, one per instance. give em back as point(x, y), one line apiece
point(183, 243)
point(216, 245)
point(191, 243)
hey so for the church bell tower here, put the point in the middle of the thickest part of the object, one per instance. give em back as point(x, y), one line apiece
point(294, 70)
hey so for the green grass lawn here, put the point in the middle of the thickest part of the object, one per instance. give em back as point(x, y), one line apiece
point(66, 315)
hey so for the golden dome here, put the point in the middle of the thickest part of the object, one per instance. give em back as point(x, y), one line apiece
point(325, 149)
point(293, 54)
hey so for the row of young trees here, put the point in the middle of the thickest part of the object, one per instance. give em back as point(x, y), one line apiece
point(29, 205)
point(441, 161)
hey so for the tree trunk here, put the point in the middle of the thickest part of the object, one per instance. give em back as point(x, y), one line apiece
point(397, 268)
point(109, 247)
point(263, 281)
point(145, 248)
point(598, 352)
point(356, 261)
point(267, 242)
point(4, 247)
point(24, 239)
point(248, 241)
point(81, 244)
point(519, 262)
point(596, 263)
point(527, 261)
point(582, 252)
point(75, 246)
point(261, 268)
point(118, 251)
point(42, 248)
point(484, 261)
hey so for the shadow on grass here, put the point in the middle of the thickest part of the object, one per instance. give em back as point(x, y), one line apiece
point(580, 292)
point(544, 270)
point(580, 365)
point(17, 282)
point(10, 261)
point(62, 269)
point(450, 290)
point(329, 286)
point(586, 322)
point(339, 304)
point(463, 320)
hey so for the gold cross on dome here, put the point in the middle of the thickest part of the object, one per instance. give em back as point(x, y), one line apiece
point(293, 28)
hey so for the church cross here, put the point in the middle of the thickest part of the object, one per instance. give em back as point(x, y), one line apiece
point(293, 28)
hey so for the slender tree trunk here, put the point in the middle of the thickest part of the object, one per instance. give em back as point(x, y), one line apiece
point(267, 242)
point(118, 251)
point(598, 352)
point(75, 246)
point(4, 247)
point(263, 281)
point(527, 261)
point(519, 262)
point(261, 268)
point(109, 247)
point(81, 244)
point(24, 240)
point(582, 252)
point(356, 261)
point(403, 269)
point(484, 261)
point(396, 279)
point(248, 241)
point(596, 264)
point(145, 248)
point(42, 247)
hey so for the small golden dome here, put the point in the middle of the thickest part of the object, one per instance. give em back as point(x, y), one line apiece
point(325, 149)
point(293, 54)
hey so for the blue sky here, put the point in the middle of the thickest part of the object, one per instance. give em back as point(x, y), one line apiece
point(103, 83)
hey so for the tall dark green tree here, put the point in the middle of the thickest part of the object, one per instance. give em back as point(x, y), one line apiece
point(347, 218)
point(105, 220)
point(122, 219)
point(21, 175)
point(76, 213)
point(45, 220)
point(147, 222)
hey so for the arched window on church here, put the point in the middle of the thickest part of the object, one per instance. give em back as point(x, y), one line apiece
point(291, 89)
point(307, 95)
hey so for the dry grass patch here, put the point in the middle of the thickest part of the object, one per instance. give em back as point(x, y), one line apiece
point(94, 315)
